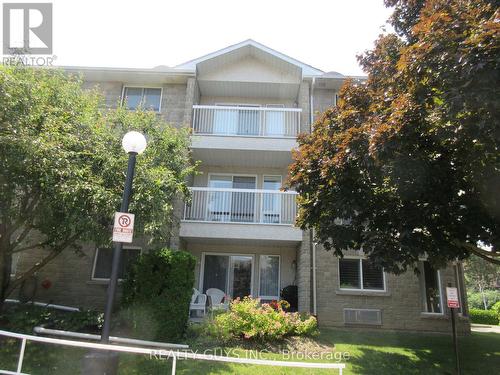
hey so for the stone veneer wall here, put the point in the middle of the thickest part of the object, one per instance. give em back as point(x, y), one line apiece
point(401, 303)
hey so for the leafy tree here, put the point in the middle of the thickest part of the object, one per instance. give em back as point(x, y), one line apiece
point(408, 163)
point(63, 168)
point(481, 275)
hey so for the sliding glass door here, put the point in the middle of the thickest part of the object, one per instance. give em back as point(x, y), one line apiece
point(271, 202)
point(230, 273)
point(233, 205)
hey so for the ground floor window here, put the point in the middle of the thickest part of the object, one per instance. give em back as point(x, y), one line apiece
point(269, 275)
point(431, 285)
point(103, 261)
point(361, 274)
point(233, 274)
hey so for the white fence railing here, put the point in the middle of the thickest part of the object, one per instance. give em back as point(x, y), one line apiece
point(241, 206)
point(246, 121)
point(155, 353)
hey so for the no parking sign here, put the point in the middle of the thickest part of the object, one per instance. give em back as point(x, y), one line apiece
point(123, 229)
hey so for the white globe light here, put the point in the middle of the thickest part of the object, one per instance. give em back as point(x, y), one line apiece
point(134, 142)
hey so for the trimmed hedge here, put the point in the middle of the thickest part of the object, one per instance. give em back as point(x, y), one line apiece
point(156, 294)
point(483, 316)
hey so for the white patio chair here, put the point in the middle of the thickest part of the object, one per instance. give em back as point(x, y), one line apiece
point(216, 298)
point(198, 302)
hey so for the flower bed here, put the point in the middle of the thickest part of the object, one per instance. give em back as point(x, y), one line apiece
point(248, 319)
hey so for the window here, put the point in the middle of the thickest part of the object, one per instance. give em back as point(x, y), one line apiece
point(360, 274)
point(431, 285)
point(269, 273)
point(103, 260)
point(148, 98)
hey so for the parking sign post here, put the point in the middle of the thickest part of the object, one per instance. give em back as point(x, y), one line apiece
point(453, 304)
point(94, 363)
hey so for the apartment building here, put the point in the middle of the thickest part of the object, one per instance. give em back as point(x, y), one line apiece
point(246, 104)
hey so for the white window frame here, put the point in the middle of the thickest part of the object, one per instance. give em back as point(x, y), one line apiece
point(361, 288)
point(202, 268)
point(112, 250)
point(279, 277)
point(142, 96)
point(425, 292)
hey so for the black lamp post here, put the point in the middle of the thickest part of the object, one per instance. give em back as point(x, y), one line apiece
point(133, 143)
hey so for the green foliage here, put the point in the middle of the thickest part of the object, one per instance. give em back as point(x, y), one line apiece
point(24, 317)
point(248, 319)
point(481, 274)
point(483, 316)
point(63, 167)
point(157, 292)
point(475, 299)
point(407, 165)
point(496, 309)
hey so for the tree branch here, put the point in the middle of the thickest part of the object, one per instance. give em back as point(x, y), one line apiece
point(39, 244)
point(484, 254)
point(55, 252)
point(21, 236)
point(22, 216)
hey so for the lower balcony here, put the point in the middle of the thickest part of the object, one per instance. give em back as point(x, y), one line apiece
point(241, 215)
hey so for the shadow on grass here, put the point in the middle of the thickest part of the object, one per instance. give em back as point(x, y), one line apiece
point(415, 353)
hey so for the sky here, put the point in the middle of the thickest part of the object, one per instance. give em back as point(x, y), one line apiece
point(327, 34)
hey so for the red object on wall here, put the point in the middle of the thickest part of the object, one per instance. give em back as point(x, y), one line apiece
point(46, 284)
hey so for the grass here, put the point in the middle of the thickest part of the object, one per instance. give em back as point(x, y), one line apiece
point(369, 353)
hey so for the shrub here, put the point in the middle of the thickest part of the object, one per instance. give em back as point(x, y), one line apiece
point(24, 317)
point(483, 316)
point(475, 299)
point(248, 319)
point(156, 294)
point(496, 308)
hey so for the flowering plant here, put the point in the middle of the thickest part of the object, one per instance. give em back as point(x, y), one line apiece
point(248, 319)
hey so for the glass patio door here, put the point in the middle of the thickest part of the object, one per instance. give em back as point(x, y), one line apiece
point(232, 205)
point(248, 121)
point(243, 203)
point(241, 276)
point(275, 122)
point(219, 202)
point(230, 273)
point(225, 121)
point(271, 202)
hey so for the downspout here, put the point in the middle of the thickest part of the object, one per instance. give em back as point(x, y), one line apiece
point(313, 255)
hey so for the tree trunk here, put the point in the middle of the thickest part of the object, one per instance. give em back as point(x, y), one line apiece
point(5, 264)
point(485, 303)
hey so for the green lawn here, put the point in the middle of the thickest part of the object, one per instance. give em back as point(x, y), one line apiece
point(370, 353)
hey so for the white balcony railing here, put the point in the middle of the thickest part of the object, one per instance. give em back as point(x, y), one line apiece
point(241, 206)
point(246, 121)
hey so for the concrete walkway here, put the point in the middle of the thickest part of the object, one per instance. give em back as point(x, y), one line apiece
point(484, 328)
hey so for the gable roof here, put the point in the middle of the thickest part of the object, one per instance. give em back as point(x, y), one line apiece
point(307, 70)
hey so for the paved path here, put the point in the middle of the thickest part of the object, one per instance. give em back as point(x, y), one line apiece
point(484, 328)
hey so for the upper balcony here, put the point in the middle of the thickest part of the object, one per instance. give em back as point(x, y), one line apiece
point(244, 135)
point(241, 214)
